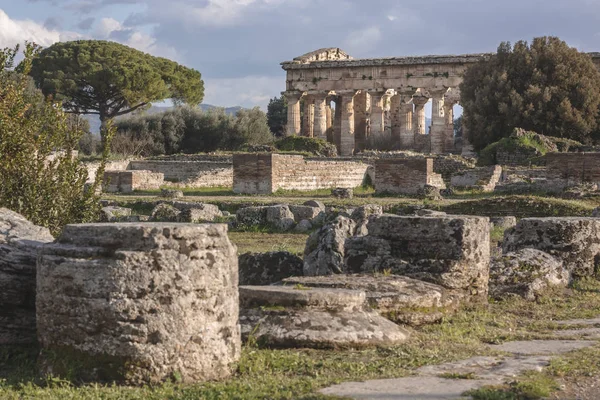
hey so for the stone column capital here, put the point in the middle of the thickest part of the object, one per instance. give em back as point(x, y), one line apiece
point(346, 93)
point(293, 95)
point(318, 94)
point(437, 93)
point(420, 100)
point(452, 96)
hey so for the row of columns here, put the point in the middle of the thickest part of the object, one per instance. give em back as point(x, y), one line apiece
point(353, 109)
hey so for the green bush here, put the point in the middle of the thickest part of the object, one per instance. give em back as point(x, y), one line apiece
point(41, 178)
point(519, 141)
point(301, 144)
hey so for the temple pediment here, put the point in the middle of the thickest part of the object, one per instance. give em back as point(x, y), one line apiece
point(326, 54)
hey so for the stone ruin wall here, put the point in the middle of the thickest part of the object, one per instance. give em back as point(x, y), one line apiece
point(570, 169)
point(190, 173)
point(405, 176)
point(267, 173)
point(129, 181)
point(484, 178)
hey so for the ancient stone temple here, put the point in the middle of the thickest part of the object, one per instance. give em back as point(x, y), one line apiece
point(365, 91)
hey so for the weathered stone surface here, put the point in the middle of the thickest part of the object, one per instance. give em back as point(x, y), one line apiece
point(280, 217)
point(304, 212)
point(291, 316)
point(165, 213)
point(398, 298)
point(251, 216)
point(342, 193)
point(200, 213)
point(315, 203)
point(503, 222)
point(574, 240)
point(19, 243)
point(452, 251)
point(324, 252)
point(114, 214)
point(303, 226)
point(268, 268)
point(362, 214)
point(171, 194)
point(527, 273)
point(140, 303)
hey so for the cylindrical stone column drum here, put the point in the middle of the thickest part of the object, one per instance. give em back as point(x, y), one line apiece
point(139, 303)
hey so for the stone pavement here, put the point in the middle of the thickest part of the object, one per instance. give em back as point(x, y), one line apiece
point(432, 382)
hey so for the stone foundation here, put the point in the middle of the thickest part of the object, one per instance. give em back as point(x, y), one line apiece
point(574, 240)
point(286, 316)
point(484, 178)
point(268, 173)
point(405, 175)
point(139, 303)
point(129, 181)
point(451, 251)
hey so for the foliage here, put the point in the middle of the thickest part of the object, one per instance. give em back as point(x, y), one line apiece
point(528, 143)
point(546, 87)
point(191, 130)
point(315, 146)
point(458, 126)
point(277, 115)
point(110, 79)
point(41, 178)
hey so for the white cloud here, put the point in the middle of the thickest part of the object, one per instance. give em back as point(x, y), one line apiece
point(13, 32)
point(248, 91)
point(363, 41)
point(392, 17)
point(111, 29)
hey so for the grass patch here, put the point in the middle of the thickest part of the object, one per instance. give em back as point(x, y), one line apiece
point(298, 374)
point(256, 242)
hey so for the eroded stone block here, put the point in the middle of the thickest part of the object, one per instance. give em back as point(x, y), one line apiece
point(139, 303)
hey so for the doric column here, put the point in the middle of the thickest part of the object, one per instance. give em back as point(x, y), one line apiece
point(360, 120)
point(451, 98)
point(395, 111)
point(337, 124)
point(293, 111)
point(309, 116)
point(320, 118)
point(377, 117)
point(402, 120)
point(346, 147)
point(419, 101)
point(438, 121)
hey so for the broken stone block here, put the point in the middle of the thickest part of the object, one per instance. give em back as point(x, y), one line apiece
point(297, 316)
point(165, 213)
point(303, 226)
point(452, 251)
point(503, 222)
point(139, 304)
point(324, 252)
point(304, 212)
point(198, 212)
point(19, 244)
point(316, 204)
point(280, 217)
point(574, 240)
point(114, 214)
point(342, 193)
point(268, 268)
point(397, 298)
point(171, 194)
point(527, 273)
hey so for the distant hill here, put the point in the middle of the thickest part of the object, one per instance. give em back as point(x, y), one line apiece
point(95, 120)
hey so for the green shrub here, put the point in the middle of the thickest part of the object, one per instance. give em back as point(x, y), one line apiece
point(317, 147)
point(520, 141)
point(41, 178)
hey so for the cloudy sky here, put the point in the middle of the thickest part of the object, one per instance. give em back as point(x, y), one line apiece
point(237, 45)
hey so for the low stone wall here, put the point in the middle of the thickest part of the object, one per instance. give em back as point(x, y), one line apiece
point(202, 173)
point(484, 178)
point(570, 169)
point(139, 303)
point(267, 173)
point(405, 175)
point(92, 167)
point(128, 181)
